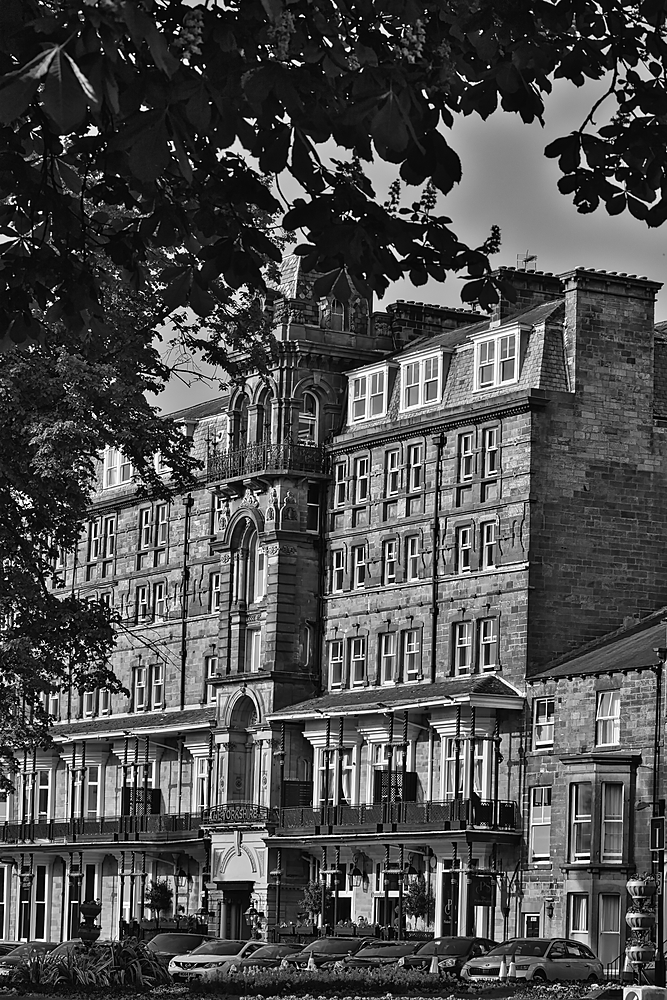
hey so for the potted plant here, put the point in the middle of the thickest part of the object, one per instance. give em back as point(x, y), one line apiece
point(642, 886)
point(418, 901)
point(159, 897)
point(639, 920)
point(641, 953)
point(312, 905)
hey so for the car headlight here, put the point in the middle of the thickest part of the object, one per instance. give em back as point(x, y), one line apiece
point(448, 962)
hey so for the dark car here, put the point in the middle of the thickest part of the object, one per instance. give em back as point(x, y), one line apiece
point(377, 953)
point(73, 946)
point(451, 953)
point(269, 956)
point(21, 953)
point(326, 951)
point(7, 946)
point(174, 943)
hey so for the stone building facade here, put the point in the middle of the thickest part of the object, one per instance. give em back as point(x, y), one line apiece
point(340, 646)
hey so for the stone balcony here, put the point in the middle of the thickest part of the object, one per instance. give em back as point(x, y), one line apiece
point(257, 459)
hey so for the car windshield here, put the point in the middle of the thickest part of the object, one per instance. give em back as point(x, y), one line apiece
point(330, 947)
point(175, 943)
point(454, 946)
point(386, 952)
point(534, 949)
point(28, 947)
point(219, 948)
point(275, 951)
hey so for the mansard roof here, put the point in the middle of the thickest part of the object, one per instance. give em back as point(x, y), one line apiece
point(628, 648)
point(367, 701)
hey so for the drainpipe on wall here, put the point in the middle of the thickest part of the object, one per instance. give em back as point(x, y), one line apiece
point(188, 503)
point(440, 444)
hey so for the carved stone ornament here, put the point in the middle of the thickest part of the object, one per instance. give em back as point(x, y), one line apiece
point(249, 499)
point(226, 558)
point(272, 506)
point(288, 509)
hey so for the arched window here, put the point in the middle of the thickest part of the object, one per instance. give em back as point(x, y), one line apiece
point(308, 412)
point(264, 418)
point(240, 434)
point(338, 317)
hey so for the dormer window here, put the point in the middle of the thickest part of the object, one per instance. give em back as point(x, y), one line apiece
point(368, 395)
point(337, 315)
point(496, 361)
point(421, 382)
point(334, 314)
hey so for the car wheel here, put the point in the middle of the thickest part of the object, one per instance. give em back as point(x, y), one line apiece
point(539, 976)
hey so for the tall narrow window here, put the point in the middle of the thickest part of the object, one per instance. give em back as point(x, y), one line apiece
point(488, 531)
point(415, 467)
point(201, 786)
point(88, 704)
point(359, 398)
point(388, 657)
point(486, 363)
point(109, 540)
point(608, 719)
point(489, 452)
point(253, 650)
point(462, 647)
point(339, 484)
point(159, 601)
point(338, 316)
point(117, 468)
point(431, 379)
point(358, 660)
point(361, 480)
point(157, 685)
point(161, 524)
point(377, 394)
point(463, 549)
point(412, 557)
point(313, 507)
point(140, 689)
point(40, 900)
point(392, 472)
point(104, 701)
point(577, 916)
point(488, 644)
point(612, 822)
point(411, 654)
point(143, 608)
point(411, 385)
point(43, 796)
point(307, 428)
point(145, 528)
point(466, 458)
point(336, 663)
point(389, 562)
point(214, 592)
point(540, 823)
point(543, 722)
point(210, 672)
point(92, 792)
point(358, 566)
point(580, 821)
point(337, 570)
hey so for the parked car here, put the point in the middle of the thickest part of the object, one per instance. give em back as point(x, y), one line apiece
point(377, 953)
point(168, 945)
point(538, 959)
point(7, 946)
point(21, 953)
point(328, 950)
point(210, 957)
point(269, 956)
point(72, 946)
point(451, 952)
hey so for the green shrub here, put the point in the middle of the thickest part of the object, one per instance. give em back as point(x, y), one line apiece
point(336, 982)
point(121, 964)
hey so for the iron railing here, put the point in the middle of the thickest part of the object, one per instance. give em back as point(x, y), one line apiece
point(255, 458)
point(118, 828)
point(493, 814)
point(237, 814)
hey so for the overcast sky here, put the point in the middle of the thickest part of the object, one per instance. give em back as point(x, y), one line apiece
point(508, 181)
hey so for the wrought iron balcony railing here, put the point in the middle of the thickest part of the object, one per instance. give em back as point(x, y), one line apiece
point(493, 814)
point(116, 828)
point(237, 463)
point(237, 814)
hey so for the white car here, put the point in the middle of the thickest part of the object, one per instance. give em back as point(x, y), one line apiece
point(211, 959)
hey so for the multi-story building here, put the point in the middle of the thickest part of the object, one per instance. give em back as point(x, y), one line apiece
point(338, 647)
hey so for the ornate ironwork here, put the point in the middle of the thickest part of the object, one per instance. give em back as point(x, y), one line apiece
point(237, 463)
point(493, 814)
point(237, 814)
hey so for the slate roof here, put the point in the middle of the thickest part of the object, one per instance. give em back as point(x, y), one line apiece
point(368, 700)
point(200, 410)
point(628, 648)
point(119, 725)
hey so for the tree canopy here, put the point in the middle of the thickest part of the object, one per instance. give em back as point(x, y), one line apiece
point(143, 144)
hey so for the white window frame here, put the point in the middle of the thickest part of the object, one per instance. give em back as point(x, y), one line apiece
point(361, 480)
point(419, 387)
point(142, 602)
point(307, 428)
point(466, 457)
point(214, 593)
point(412, 558)
point(210, 670)
point(337, 571)
point(161, 525)
point(463, 638)
point(611, 823)
point(492, 360)
point(608, 719)
point(490, 453)
point(388, 657)
point(108, 536)
point(358, 554)
point(97, 784)
point(140, 689)
point(578, 916)
point(157, 685)
point(464, 549)
point(88, 704)
point(540, 819)
point(104, 706)
point(368, 394)
point(488, 644)
point(488, 532)
point(415, 467)
point(43, 783)
point(259, 569)
point(579, 821)
point(336, 663)
point(145, 528)
point(389, 561)
point(358, 661)
point(117, 469)
point(411, 654)
point(544, 714)
point(340, 476)
point(201, 783)
point(253, 650)
point(159, 601)
point(392, 472)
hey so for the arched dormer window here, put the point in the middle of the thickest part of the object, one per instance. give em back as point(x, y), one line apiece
point(308, 419)
point(339, 315)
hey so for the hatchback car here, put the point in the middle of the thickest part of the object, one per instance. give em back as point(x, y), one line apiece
point(17, 956)
point(269, 956)
point(537, 959)
point(378, 953)
point(451, 953)
point(169, 945)
point(327, 951)
point(210, 958)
